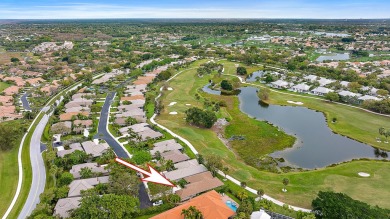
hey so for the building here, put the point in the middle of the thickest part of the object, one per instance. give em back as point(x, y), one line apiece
point(164, 146)
point(210, 204)
point(62, 128)
point(96, 150)
point(197, 184)
point(61, 152)
point(321, 91)
point(279, 84)
point(185, 169)
point(65, 205)
point(79, 185)
point(260, 215)
point(95, 168)
point(301, 88)
point(175, 155)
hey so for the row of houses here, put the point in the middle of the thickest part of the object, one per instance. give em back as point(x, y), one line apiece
point(322, 90)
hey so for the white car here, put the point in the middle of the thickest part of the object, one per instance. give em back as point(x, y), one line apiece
point(157, 203)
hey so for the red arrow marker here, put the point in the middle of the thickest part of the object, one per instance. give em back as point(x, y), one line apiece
point(153, 175)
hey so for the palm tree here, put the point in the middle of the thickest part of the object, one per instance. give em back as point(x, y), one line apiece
point(285, 183)
point(225, 170)
point(192, 213)
point(169, 165)
point(260, 193)
point(381, 131)
point(242, 195)
point(243, 185)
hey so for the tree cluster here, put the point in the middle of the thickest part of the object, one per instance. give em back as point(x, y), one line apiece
point(339, 205)
point(199, 117)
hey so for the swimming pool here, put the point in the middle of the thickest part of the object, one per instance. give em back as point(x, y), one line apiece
point(231, 205)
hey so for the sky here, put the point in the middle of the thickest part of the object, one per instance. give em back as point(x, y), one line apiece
point(324, 9)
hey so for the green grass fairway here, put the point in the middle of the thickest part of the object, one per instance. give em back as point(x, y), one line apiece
point(8, 177)
point(303, 186)
point(3, 86)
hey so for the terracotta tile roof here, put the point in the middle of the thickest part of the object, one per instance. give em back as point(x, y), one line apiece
point(68, 116)
point(135, 97)
point(11, 90)
point(210, 204)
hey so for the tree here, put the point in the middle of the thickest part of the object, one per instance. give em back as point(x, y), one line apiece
point(339, 205)
point(213, 163)
point(263, 94)
point(65, 179)
point(382, 93)
point(86, 172)
point(13, 59)
point(285, 183)
point(122, 181)
point(141, 157)
point(241, 70)
point(243, 184)
point(245, 207)
point(333, 97)
point(260, 193)
point(226, 85)
point(107, 206)
point(225, 170)
point(107, 69)
point(192, 213)
point(10, 133)
point(203, 118)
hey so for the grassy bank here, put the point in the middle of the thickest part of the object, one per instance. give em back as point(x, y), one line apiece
point(303, 185)
point(3, 86)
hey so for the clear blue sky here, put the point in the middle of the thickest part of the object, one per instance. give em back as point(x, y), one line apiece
point(51, 9)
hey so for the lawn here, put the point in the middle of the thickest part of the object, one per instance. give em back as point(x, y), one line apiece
point(3, 86)
point(303, 185)
point(8, 177)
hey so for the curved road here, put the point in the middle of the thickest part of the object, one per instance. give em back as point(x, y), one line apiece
point(25, 103)
point(38, 167)
point(119, 150)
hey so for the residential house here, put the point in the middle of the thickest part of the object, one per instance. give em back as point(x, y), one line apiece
point(65, 205)
point(325, 81)
point(261, 214)
point(321, 91)
point(63, 128)
point(311, 78)
point(209, 204)
point(79, 185)
point(95, 168)
point(301, 88)
point(61, 152)
point(197, 184)
point(185, 169)
point(96, 150)
point(80, 125)
point(164, 146)
point(69, 116)
point(175, 155)
point(280, 84)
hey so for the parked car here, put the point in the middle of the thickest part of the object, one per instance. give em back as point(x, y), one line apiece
point(157, 203)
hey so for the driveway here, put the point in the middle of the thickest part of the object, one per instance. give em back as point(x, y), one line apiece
point(25, 103)
point(114, 144)
point(38, 170)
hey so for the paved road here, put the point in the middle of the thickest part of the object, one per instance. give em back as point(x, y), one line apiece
point(119, 150)
point(26, 104)
point(38, 170)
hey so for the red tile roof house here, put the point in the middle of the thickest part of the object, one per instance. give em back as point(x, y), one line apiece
point(11, 90)
point(210, 204)
point(6, 100)
point(80, 125)
point(69, 116)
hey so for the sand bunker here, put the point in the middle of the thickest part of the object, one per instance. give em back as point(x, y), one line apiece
point(172, 103)
point(173, 113)
point(169, 88)
point(363, 174)
point(297, 103)
point(188, 104)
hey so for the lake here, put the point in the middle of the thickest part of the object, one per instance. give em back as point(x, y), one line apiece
point(333, 57)
point(316, 146)
point(207, 89)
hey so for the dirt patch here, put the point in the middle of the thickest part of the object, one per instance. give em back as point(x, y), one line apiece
point(219, 129)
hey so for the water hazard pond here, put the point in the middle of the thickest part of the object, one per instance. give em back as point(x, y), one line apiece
point(316, 146)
